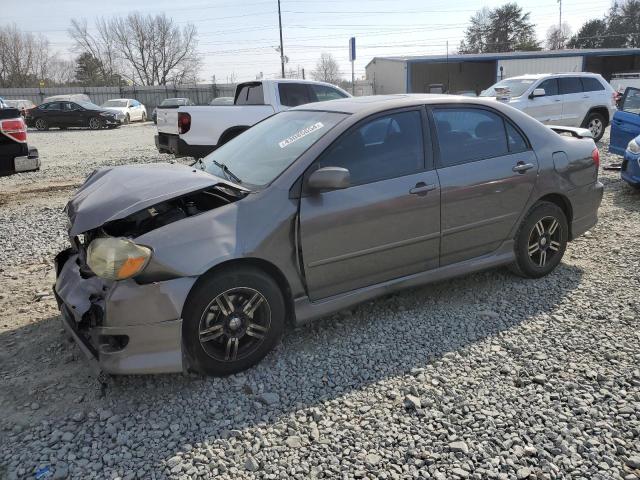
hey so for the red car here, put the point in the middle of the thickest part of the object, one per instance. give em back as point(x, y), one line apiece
point(15, 154)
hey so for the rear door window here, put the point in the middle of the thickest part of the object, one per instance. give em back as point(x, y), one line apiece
point(550, 86)
point(54, 106)
point(470, 134)
point(251, 94)
point(570, 85)
point(590, 84)
point(324, 93)
point(294, 94)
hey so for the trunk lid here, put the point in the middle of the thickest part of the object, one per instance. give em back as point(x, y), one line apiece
point(113, 193)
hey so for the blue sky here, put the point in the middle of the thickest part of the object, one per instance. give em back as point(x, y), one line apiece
point(238, 37)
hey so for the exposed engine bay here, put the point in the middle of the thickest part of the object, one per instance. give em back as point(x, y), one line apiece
point(172, 210)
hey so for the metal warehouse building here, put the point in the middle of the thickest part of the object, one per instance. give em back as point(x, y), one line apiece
point(479, 71)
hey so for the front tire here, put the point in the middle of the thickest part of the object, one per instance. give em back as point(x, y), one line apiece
point(127, 119)
point(41, 124)
point(95, 123)
point(144, 117)
point(596, 123)
point(540, 241)
point(231, 320)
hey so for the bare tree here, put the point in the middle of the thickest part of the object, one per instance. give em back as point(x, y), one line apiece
point(557, 37)
point(327, 69)
point(24, 57)
point(101, 45)
point(145, 49)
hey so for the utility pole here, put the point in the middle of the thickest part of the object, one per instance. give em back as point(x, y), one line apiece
point(281, 46)
point(560, 25)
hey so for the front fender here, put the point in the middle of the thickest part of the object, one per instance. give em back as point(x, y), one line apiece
point(191, 246)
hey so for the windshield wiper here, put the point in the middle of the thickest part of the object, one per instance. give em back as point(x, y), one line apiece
point(228, 172)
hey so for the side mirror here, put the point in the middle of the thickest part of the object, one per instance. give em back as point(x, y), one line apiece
point(538, 92)
point(329, 178)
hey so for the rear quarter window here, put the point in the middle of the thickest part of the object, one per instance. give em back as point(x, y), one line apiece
point(590, 84)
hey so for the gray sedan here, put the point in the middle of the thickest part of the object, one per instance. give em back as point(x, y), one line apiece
point(309, 212)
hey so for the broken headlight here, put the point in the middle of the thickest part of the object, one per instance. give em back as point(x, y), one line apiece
point(117, 258)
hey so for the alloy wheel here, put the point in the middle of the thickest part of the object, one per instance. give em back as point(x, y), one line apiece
point(94, 123)
point(544, 241)
point(234, 324)
point(41, 124)
point(595, 126)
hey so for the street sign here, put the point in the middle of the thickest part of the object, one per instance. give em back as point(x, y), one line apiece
point(352, 49)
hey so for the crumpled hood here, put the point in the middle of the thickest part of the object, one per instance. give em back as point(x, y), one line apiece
point(111, 193)
point(122, 110)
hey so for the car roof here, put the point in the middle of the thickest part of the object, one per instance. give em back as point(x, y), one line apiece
point(535, 76)
point(120, 99)
point(375, 103)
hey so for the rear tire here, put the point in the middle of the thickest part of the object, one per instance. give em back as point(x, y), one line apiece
point(231, 320)
point(127, 119)
point(540, 241)
point(596, 123)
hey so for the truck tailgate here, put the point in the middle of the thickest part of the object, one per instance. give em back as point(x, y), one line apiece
point(167, 120)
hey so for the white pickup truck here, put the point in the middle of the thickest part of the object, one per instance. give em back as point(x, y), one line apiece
point(196, 131)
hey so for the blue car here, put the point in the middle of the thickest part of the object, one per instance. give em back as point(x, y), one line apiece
point(625, 136)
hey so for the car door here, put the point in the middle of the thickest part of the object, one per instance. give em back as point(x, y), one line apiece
point(53, 114)
point(626, 121)
point(387, 223)
point(548, 108)
point(487, 171)
point(68, 116)
point(575, 102)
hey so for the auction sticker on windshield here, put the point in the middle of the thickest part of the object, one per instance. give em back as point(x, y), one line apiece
point(302, 133)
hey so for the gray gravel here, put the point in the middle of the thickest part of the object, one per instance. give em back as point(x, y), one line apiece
point(485, 376)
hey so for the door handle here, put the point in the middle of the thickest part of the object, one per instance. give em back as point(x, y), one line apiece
point(421, 189)
point(522, 167)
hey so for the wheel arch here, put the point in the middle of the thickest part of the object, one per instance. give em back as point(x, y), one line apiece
point(231, 133)
point(563, 203)
point(602, 110)
point(260, 264)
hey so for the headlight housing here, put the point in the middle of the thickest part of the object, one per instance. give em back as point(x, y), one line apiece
point(117, 258)
point(633, 146)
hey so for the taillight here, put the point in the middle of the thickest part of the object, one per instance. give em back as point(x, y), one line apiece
point(15, 129)
point(595, 155)
point(184, 122)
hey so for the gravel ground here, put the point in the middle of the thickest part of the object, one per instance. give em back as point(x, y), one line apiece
point(485, 376)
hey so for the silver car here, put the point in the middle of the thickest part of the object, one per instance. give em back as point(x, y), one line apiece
point(311, 211)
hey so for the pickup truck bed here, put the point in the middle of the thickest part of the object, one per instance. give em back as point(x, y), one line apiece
point(197, 131)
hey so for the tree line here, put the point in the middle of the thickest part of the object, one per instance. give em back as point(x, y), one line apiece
point(508, 28)
point(135, 49)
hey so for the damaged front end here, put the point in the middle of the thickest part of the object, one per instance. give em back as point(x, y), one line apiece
point(124, 314)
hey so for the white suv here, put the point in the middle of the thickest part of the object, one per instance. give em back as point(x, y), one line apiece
point(569, 99)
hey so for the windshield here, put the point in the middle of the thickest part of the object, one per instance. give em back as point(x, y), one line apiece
point(115, 103)
point(172, 102)
point(263, 152)
point(516, 87)
point(88, 105)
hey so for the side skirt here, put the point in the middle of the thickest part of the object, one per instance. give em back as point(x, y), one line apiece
point(306, 310)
